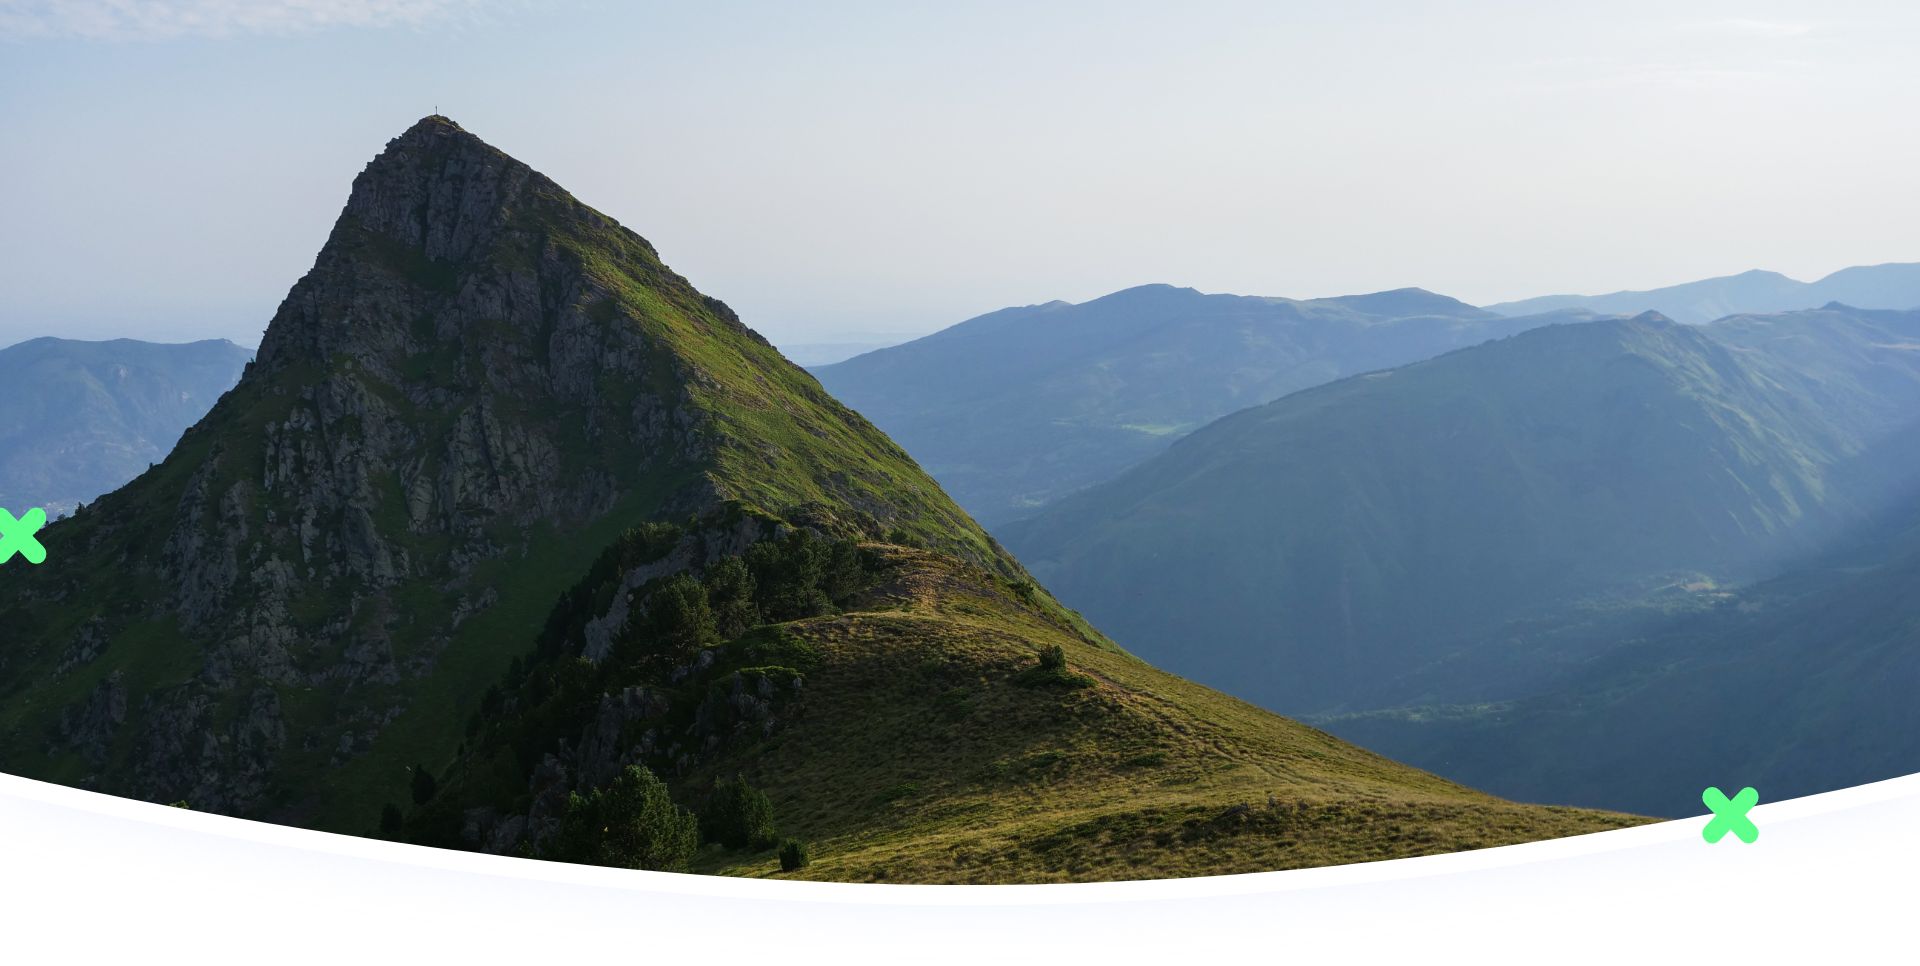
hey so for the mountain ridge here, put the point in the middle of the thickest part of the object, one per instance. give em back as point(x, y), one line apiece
point(1018, 407)
point(79, 418)
point(1891, 285)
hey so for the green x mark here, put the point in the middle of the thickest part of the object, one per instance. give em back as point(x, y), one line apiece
point(1730, 815)
point(16, 536)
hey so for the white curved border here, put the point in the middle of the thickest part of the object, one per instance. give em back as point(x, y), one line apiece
point(86, 875)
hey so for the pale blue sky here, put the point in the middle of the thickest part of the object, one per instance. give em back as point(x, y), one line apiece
point(168, 169)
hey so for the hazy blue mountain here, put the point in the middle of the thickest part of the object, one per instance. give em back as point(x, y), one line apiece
point(1796, 685)
point(1019, 407)
point(1891, 286)
point(78, 419)
point(826, 353)
point(1354, 545)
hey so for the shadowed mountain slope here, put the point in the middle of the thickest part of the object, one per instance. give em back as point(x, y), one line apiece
point(1795, 685)
point(1336, 548)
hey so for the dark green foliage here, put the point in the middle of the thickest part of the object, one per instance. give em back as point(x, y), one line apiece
point(678, 621)
point(793, 855)
point(1051, 671)
point(590, 597)
point(391, 820)
point(630, 824)
point(738, 816)
point(548, 697)
point(730, 593)
point(802, 575)
point(423, 785)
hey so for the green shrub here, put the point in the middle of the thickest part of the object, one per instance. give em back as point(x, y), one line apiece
point(390, 819)
point(631, 824)
point(793, 855)
point(738, 816)
point(679, 620)
point(730, 595)
point(423, 785)
point(1051, 672)
point(803, 575)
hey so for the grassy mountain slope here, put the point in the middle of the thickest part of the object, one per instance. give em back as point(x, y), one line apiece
point(1329, 549)
point(1134, 776)
point(1892, 286)
point(909, 734)
point(1022, 406)
point(78, 419)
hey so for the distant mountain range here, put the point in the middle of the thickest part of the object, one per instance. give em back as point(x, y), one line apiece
point(78, 419)
point(1891, 286)
point(1017, 408)
point(827, 353)
point(1364, 543)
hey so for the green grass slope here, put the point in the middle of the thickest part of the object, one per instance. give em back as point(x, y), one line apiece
point(909, 735)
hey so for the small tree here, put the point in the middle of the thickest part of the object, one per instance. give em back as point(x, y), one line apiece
point(423, 785)
point(738, 816)
point(1051, 672)
point(390, 819)
point(793, 855)
point(632, 824)
point(730, 595)
point(679, 620)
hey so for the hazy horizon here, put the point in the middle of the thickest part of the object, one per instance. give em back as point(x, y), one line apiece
point(879, 172)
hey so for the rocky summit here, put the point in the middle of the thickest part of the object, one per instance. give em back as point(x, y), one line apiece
point(510, 539)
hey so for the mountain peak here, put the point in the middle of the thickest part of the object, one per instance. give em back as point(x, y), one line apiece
point(435, 123)
point(1652, 317)
point(438, 209)
point(1405, 303)
point(479, 376)
point(439, 187)
point(429, 138)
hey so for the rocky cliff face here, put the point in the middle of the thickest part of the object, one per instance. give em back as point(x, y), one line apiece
point(480, 382)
